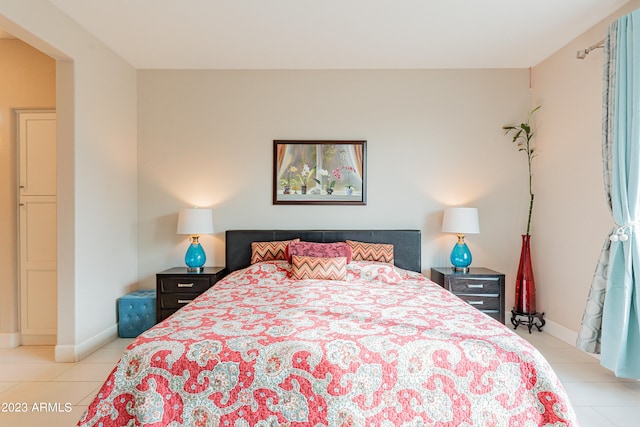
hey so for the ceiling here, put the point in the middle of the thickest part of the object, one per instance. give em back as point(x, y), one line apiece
point(230, 34)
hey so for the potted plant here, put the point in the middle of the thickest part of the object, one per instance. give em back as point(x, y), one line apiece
point(286, 182)
point(329, 186)
point(306, 177)
point(332, 183)
point(525, 304)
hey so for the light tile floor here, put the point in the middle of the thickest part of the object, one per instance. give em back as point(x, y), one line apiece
point(29, 375)
point(599, 398)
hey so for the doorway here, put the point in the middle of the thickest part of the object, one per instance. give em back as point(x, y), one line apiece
point(37, 240)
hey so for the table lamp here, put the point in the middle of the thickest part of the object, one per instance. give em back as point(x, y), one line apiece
point(460, 221)
point(195, 221)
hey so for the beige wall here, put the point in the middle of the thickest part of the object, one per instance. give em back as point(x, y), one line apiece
point(27, 81)
point(434, 140)
point(572, 219)
point(97, 189)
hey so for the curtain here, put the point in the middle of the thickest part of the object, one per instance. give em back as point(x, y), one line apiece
point(359, 155)
point(285, 157)
point(611, 321)
point(351, 155)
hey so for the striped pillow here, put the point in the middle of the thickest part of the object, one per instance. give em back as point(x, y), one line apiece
point(270, 251)
point(321, 250)
point(309, 267)
point(380, 252)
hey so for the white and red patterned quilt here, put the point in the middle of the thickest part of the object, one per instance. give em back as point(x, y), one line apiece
point(386, 347)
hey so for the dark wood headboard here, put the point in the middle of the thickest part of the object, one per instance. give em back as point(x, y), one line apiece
point(406, 243)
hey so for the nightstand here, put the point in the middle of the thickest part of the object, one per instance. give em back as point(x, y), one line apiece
point(480, 287)
point(177, 287)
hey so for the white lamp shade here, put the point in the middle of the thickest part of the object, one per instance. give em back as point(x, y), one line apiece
point(195, 221)
point(461, 221)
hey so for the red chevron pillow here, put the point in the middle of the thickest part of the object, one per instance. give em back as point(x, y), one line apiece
point(380, 252)
point(308, 267)
point(270, 251)
point(322, 250)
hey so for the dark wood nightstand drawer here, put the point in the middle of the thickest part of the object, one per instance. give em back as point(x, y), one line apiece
point(177, 287)
point(482, 302)
point(495, 314)
point(191, 283)
point(167, 312)
point(176, 300)
point(475, 285)
point(479, 287)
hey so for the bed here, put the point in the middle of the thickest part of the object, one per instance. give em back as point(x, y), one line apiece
point(329, 339)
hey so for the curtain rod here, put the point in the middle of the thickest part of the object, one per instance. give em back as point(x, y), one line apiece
point(584, 52)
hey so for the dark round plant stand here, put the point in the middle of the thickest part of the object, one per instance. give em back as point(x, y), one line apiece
point(528, 319)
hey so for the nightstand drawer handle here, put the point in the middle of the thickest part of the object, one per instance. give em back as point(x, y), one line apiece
point(480, 286)
point(185, 285)
point(476, 302)
point(184, 301)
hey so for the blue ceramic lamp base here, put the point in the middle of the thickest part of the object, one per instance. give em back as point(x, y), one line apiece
point(195, 256)
point(460, 255)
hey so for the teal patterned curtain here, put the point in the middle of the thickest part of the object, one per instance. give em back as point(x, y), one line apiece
point(611, 321)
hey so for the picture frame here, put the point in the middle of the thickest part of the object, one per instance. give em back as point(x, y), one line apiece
point(311, 172)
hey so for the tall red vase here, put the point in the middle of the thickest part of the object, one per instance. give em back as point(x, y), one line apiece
point(525, 283)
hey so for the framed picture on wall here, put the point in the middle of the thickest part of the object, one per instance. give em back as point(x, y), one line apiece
point(319, 172)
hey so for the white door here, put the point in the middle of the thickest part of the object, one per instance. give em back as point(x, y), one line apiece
point(37, 226)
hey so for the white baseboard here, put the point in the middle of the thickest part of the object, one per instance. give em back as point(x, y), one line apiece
point(77, 352)
point(38, 340)
point(564, 334)
point(560, 332)
point(9, 339)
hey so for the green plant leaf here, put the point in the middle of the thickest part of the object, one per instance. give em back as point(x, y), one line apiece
point(523, 139)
